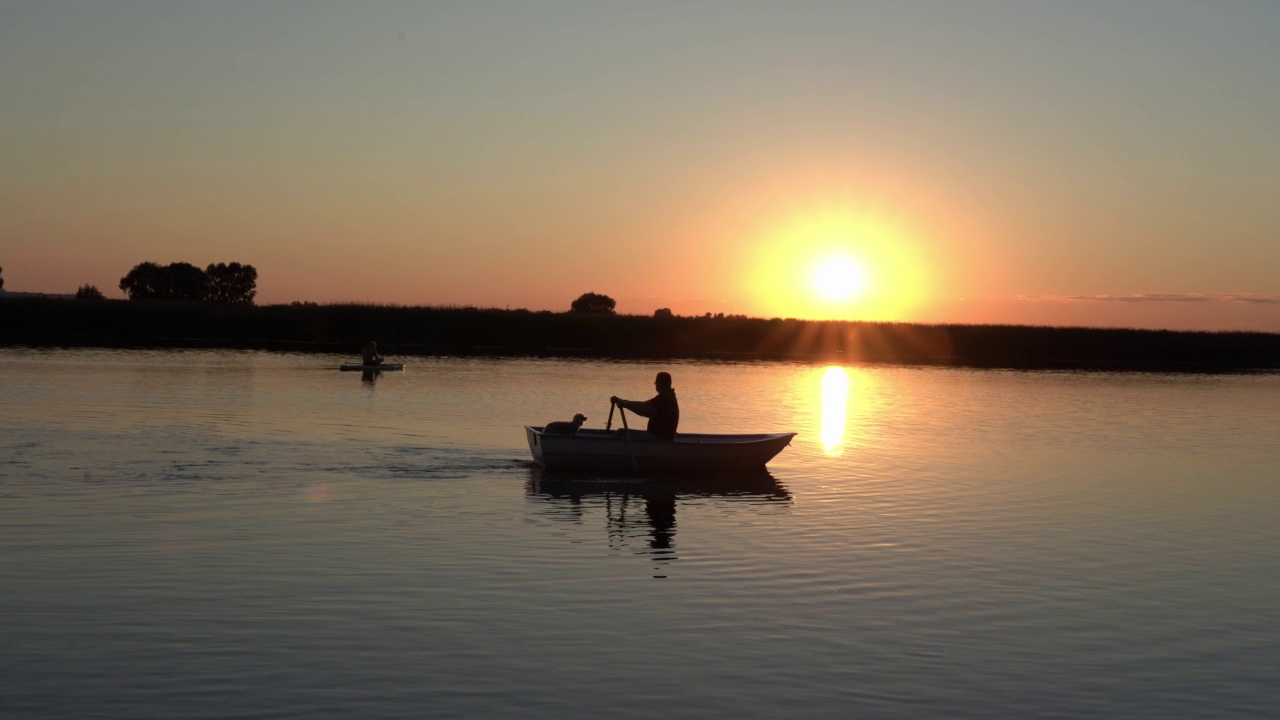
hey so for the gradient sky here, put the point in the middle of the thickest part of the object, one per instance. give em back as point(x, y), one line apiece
point(1088, 163)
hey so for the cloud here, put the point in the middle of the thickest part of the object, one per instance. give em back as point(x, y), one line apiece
point(1160, 298)
point(659, 298)
point(1147, 297)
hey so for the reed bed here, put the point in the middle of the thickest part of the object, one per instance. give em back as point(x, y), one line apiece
point(452, 330)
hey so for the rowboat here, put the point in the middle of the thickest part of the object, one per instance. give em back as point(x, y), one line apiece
point(357, 367)
point(741, 483)
point(610, 450)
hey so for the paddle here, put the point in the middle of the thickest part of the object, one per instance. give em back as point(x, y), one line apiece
point(635, 465)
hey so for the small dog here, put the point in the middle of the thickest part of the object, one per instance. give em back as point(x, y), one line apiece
point(561, 427)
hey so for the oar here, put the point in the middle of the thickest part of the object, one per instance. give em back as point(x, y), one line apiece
point(610, 423)
point(630, 451)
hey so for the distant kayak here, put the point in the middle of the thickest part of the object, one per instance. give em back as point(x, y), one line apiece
point(355, 367)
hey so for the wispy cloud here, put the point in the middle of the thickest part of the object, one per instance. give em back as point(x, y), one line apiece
point(1160, 298)
point(659, 298)
point(1147, 298)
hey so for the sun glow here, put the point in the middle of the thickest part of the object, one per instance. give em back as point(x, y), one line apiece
point(838, 279)
point(835, 408)
point(836, 265)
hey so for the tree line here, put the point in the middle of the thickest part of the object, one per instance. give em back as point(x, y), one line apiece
point(217, 284)
point(458, 331)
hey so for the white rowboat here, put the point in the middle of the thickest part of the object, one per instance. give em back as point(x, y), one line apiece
point(611, 450)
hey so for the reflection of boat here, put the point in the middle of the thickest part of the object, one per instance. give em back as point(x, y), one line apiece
point(755, 483)
point(606, 450)
point(646, 507)
point(357, 367)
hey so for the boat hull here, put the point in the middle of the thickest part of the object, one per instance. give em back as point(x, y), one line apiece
point(354, 367)
point(605, 450)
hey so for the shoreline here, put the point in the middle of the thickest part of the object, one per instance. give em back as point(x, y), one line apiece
point(472, 332)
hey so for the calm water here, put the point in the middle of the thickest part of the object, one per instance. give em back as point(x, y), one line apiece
point(239, 534)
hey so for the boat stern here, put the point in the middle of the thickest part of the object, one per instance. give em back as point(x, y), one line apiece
point(534, 436)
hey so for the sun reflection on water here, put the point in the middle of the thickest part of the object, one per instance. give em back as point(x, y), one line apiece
point(835, 407)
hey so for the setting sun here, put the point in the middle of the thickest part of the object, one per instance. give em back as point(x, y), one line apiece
point(838, 279)
point(837, 264)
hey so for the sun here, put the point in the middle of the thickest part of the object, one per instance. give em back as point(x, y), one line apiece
point(836, 263)
point(839, 279)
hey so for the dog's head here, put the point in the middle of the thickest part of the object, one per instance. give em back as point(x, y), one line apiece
point(579, 419)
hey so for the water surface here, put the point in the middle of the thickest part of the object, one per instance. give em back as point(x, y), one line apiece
point(244, 534)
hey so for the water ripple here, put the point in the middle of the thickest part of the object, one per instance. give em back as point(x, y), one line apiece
point(255, 534)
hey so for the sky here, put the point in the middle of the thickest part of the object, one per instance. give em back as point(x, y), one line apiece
point(1109, 163)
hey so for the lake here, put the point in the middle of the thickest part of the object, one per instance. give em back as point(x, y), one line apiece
point(250, 534)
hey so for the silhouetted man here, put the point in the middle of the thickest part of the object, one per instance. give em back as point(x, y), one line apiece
point(371, 356)
point(662, 409)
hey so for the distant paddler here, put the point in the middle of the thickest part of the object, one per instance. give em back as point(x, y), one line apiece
point(371, 361)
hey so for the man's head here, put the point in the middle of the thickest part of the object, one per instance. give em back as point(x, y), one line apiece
point(663, 381)
point(373, 344)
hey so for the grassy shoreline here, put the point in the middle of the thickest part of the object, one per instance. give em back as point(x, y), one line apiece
point(399, 330)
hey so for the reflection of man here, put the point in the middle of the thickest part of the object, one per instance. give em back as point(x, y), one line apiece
point(661, 510)
point(662, 409)
point(371, 356)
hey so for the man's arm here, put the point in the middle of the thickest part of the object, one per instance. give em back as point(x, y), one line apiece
point(643, 408)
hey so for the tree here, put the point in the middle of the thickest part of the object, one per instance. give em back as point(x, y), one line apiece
point(146, 281)
point(664, 313)
point(175, 281)
point(1, 278)
point(187, 282)
point(231, 284)
point(89, 292)
point(593, 303)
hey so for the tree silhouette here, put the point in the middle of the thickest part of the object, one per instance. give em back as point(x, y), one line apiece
point(593, 303)
point(89, 292)
point(188, 282)
point(1, 278)
point(231, 283)
point(175, 281)
point(663, 313)
point(146, 281)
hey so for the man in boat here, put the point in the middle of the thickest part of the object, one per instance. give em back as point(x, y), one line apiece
point(662, 409)
point(371, 356)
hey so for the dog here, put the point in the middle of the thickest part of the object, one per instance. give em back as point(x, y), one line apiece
point(562, 427)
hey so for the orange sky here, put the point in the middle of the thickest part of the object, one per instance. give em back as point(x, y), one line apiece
point(1070, 163)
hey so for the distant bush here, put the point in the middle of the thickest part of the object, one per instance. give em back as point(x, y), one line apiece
point(89, 292)
point(593, 304)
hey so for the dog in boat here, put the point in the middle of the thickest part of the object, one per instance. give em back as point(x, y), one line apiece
point(564, 427)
